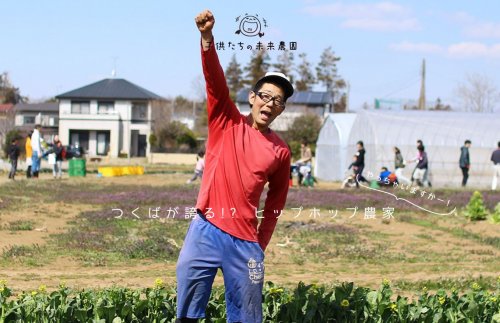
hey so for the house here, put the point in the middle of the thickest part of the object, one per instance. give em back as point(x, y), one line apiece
point(112, 116)
point(4, 110)
point(301, 102)
point(46, 114)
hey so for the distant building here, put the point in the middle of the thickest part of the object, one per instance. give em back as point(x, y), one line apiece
point(4, 109)
point(45, 114)
point(301, 102)
point(110, 116)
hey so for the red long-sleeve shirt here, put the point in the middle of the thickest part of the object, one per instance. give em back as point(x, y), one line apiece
point(239, 161)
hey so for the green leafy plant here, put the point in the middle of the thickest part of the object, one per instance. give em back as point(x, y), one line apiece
point(495, 216)
point(476, 210)
point(304, 303)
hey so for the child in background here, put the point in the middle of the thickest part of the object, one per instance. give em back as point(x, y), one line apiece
point(353, 165)
point(200, 166)
point(350, 179)
point(13, 156)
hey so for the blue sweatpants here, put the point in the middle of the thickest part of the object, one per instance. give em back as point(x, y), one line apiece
point(207, 248)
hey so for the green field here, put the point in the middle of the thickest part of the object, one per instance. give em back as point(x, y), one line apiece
point(55, 232)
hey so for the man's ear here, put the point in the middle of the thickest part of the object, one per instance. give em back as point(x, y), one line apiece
point(251, 98)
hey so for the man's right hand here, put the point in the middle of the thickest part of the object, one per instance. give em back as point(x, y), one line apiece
point(205, 22)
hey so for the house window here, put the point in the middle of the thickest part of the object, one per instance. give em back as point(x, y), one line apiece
point(139, 112)
point(80, 107)
point(29, 120)
point(105, 107)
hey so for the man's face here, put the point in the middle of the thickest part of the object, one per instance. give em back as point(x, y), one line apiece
point(263, 113)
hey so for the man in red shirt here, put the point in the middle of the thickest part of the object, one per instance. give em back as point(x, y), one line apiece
point(243, 155)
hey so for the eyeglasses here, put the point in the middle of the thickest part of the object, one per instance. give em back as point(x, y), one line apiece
point(266, 97)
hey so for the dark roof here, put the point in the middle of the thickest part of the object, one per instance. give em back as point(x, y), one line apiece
point(38, 107)
point(111, 89)
point(298, 97)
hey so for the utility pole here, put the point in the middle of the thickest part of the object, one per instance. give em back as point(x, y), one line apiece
point(421, 100)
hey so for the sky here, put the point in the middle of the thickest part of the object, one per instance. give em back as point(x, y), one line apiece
point(51, 47)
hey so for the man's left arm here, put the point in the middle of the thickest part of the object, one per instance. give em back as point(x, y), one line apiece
point(275, 200)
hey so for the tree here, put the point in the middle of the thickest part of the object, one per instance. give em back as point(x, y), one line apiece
point(257, 67)
point(234, 77)
point(199, 88)
point(7, 124)
point(9, 136)
point(161, 114)
point(9, 93)
point(340, 105)
point(182, 106)
point(439, 106)
point(178, 136)
point(476, 210)
point(326, 71)
point(304, 127)
point(478, 93)
point(284, 64)
point(305, 79)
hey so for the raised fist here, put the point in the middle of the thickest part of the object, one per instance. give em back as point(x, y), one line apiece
point(205, 21)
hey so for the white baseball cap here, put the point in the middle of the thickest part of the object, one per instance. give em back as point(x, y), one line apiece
point(279, 78)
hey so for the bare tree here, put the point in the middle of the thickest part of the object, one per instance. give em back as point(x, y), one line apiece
point(478, 93)
point(199, 88)
point(161, 113)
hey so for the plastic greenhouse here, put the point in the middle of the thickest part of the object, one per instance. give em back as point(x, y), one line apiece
point(331, 147)
point(443, 133)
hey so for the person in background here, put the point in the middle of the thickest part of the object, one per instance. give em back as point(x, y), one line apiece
point(58, 151)
point(399, 164)
point(359, 163)
point(385, 178)
point(304, 163)
point(37, 151)
point(29, 154)
point(495, 158)
point(425, 177)
point(421, 168)
point(200, 166)
point(464, 161)
point(350, 179)
point(14, 152)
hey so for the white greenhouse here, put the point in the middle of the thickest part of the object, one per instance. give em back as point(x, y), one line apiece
point(443, 133)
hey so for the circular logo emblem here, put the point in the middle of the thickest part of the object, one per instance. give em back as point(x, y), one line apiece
point(252, 263)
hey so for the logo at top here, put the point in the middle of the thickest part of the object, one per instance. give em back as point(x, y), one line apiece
point(251, 25)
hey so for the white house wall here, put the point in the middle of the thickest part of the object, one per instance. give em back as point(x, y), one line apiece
point(92, 122)
point(118, 123)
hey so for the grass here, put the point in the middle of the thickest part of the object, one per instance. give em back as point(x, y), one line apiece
point(20, 225)
point(101, 242)
point(453, 230)
point(30, 255)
